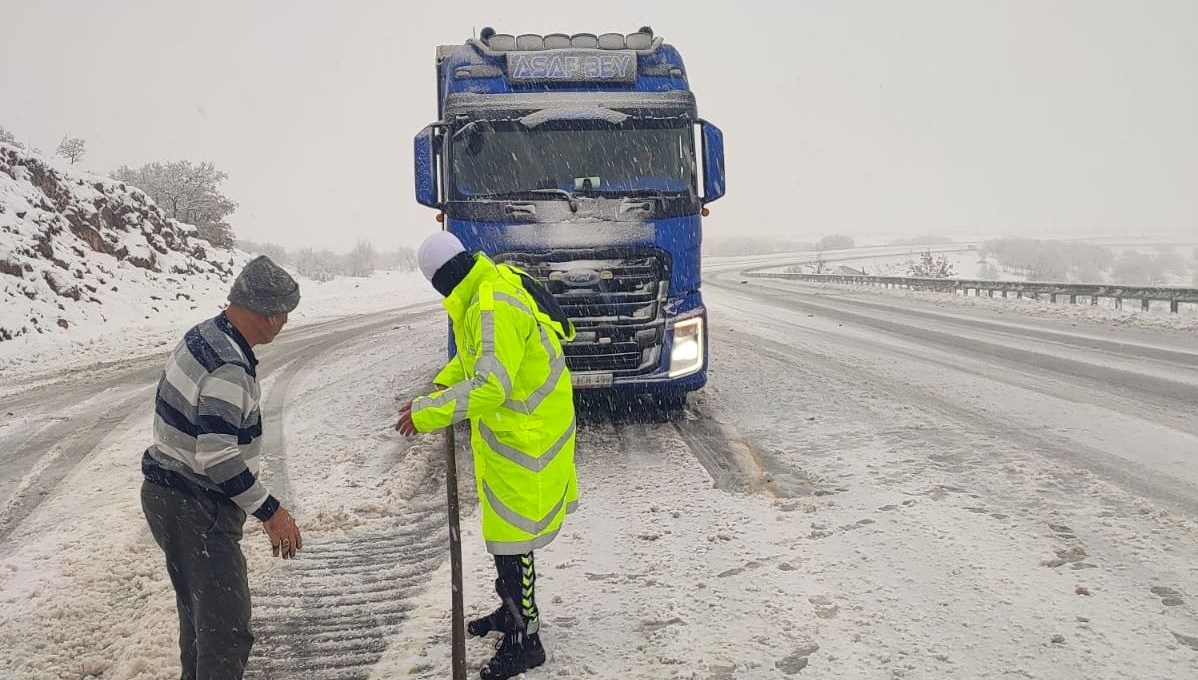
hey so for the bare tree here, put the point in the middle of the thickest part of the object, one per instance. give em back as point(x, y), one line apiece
point(401, 259)
point(931, 266)
point(818, 264)
point(188, 192)
point(1051, 260)
point(316, 265)
point(1137, 269)
point(272, 250)
point(1171, 261)
point(72, 148)
point(361, 260)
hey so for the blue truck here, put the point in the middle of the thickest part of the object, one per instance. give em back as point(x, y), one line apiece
point(582, 160)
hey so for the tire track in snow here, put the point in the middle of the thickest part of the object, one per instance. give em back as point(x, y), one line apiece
point(58, 450)
point(48, 456)
point(329, 614)
point(728, 455)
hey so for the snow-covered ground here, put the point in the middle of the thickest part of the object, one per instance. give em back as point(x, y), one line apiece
point(1158, 316)
point(869, 487)
point(892, 262)
point(82, 588)
point(964, 259)
point(145, 331)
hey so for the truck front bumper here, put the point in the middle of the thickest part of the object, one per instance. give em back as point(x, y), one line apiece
point(683, 365)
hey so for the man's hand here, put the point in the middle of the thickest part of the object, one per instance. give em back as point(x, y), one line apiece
point(405, 426)
point(285, 539)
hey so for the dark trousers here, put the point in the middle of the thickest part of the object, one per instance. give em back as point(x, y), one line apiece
point(201, 536)
point(517, 588)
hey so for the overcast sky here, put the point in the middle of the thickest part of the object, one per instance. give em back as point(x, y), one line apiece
point(955, 116)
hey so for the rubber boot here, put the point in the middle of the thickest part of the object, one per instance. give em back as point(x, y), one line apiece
point(517, 653)
point(520, 648)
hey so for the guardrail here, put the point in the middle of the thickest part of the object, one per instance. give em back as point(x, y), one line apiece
point(1033, 289)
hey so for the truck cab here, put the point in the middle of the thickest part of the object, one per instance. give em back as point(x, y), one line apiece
point(582, 160)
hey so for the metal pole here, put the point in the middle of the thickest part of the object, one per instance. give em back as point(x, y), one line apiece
point(455, 557)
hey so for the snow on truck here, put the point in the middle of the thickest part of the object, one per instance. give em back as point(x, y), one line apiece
point(582, 160)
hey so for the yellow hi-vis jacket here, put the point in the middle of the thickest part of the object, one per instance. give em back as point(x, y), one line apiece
point(509, 379)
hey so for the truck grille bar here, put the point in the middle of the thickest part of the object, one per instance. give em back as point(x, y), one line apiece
point(616, 299)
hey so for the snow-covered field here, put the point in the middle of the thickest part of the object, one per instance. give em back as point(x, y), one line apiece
point(893, 262)
point(869, 487)
point(1106, 313)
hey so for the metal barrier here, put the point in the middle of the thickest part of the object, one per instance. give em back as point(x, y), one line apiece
point(1033, 289)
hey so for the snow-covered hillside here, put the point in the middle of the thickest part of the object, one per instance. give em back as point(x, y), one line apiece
point(86, 254)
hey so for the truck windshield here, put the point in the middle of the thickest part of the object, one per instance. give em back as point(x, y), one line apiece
point(504, 159)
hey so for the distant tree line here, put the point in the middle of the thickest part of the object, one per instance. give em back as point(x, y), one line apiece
point(751, 245)
point(835, 242)
point(927, 240)
point(760, 245)
point(1081, 262)
point(325, 265)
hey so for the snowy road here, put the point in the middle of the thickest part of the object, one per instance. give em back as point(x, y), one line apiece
point(1118, 402)
point(870, 487)
point(53, 421)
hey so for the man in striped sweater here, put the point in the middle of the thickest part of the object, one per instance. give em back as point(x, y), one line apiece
point(201, 473)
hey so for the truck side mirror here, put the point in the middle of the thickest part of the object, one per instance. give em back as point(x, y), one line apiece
point(713, 162)
point(426, 168)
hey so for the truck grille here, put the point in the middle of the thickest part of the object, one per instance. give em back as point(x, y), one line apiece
point(616, 299)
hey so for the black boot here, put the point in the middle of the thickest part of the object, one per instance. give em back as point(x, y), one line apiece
point(521, 647)
point(498, 620)
point(517, 653)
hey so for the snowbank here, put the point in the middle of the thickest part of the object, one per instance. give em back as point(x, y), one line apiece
point(85, 257)
point(92, 270)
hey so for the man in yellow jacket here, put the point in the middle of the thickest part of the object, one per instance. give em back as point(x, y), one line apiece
point(509, 379)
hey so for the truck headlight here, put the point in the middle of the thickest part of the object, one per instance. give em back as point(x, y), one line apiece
point(686, 355)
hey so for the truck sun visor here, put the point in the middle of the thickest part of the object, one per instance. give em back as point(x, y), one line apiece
point(599, 113)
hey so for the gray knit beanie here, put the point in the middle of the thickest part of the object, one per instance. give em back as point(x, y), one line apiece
point(265, 288)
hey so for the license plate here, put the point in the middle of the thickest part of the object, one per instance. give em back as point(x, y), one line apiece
point(588, 381)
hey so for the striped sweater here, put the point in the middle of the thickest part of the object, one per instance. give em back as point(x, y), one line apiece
point(207, 424)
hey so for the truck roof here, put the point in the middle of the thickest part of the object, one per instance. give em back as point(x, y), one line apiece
point(504, 63)
point(642, 40)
